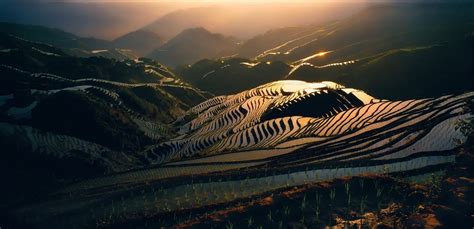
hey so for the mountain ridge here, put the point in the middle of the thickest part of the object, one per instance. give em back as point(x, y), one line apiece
point(192, 45)
point(141, 41)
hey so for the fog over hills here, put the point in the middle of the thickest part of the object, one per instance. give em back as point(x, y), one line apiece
point(109, 20)
point(247, 20)
point(143, 42)
point(105, 20)
point(192, 45)
point(68, 42)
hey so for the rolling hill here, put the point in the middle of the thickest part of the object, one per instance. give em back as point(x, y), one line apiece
point(232, 75)
point(64, 118)
point(69, 43)
point(377, 29)
point(419, 71)
point(129, 46)
point(270, 39)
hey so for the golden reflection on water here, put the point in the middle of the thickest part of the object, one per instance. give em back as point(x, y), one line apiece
point(319, 54)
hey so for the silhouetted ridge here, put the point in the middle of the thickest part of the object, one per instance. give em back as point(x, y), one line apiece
point(192, 45)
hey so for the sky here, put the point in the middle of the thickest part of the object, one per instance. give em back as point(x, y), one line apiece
point(109, 19)
point(105, 21)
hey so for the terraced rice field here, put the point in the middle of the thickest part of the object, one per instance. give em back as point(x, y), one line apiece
point(277, 136)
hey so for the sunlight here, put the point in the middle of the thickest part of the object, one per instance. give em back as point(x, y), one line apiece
point(318, 54)
point(321, 54)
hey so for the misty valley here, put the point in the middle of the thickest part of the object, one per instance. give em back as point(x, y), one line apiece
point(350, 114)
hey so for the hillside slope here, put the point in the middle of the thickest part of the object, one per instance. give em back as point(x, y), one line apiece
point(380, 50)
point(414, 72)
point(377, 29)
point(64, 118)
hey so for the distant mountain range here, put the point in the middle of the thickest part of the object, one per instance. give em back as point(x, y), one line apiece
point(101, 19)
point(384, 36)
point(187, 47)
point(70, 43)
point(192, 45)
point(237, 21)
point(186, 36)
point(382, 50)
point(377, 29)
point(245, 20)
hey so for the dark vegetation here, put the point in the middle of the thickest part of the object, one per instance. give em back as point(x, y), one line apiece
point(367, 201)
point(75, 114)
